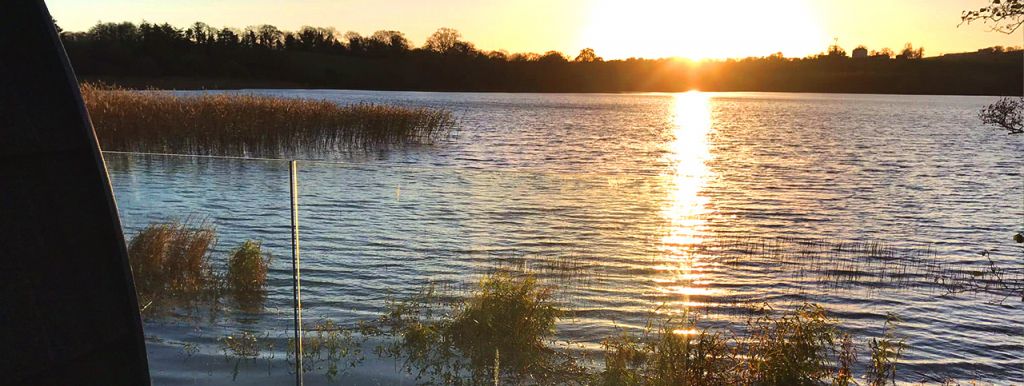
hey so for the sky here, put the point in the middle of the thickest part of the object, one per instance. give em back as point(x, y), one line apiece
point(616, 29)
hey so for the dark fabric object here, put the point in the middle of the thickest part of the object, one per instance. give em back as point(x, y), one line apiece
point(68, 312)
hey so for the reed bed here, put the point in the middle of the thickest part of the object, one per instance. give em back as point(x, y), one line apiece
point(868, 264)
point(246, 125)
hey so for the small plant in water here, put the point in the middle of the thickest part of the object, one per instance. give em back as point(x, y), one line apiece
point(247, 274)
point(847, 359)
point(244, 346)
point(502, 331)
point(675, 354)
point(325, 345)
point(886, 352)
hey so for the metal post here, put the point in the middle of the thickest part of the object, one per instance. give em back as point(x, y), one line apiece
point(296, 279)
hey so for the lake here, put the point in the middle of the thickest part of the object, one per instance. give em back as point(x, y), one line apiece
point(698, 204)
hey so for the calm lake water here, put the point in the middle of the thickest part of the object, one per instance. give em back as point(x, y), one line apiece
point(696, 203)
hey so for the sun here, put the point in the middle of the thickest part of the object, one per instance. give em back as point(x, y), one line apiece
point(702, 29)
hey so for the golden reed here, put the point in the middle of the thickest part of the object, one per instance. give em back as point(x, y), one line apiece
point(249, 125)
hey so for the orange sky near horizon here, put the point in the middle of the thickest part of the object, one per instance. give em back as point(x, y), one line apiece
point(615, 29)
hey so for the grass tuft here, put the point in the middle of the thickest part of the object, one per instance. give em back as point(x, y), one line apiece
point(171, 261)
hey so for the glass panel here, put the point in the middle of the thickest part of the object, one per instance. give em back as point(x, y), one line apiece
point(208, 316)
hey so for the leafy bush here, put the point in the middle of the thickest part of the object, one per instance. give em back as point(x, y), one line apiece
point(677, 354)
point(247, 272)
point(794, 348)
point(502, 331)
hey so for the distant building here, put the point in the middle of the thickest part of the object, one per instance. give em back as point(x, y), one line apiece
point(860, 52)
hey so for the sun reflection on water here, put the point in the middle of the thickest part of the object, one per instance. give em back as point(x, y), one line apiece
point(686, 208)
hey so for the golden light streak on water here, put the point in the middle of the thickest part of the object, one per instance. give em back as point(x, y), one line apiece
point(686, 208)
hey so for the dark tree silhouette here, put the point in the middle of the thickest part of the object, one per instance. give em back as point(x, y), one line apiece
point(885, 52)
point(1006, 15)
point(200, 56)
point(443, 40)
point(836, 51)
point(391, 42)
point(1007, 113)
point(587, 55)
point(909, 52)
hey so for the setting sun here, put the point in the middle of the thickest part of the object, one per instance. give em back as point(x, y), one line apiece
point(701, 30)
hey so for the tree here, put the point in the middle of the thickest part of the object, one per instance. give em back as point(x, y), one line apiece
point(228, 37)
point(1007, 113)
point(836, 51)
point(552, 57)
point(316, 38)
point(200, 34)
point(587, 55)
point(356, 42)
point(462, 48)
point(886, 52)
point(390, 41)
point(500, 55)
point(1006, 15)
point(443, 40)
point(910, 53)
point(265, 35)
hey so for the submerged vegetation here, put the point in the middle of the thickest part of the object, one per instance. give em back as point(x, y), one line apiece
point(247, 274)
point(504, 333)
point(252, 125)
point(171, 265)
point(504, 329)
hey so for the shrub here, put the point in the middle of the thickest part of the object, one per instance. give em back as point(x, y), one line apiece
point(503, 330)
point(509, 317)
point(677, 354)
point(794, 348)
point(247, 272)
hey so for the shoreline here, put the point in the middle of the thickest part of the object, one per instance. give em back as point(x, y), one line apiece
point(199, 83)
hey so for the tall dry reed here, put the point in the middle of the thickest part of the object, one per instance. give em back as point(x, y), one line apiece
point(253, 125)
point(171, 262)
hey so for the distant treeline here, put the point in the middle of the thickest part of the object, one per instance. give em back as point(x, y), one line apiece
point(146, 54)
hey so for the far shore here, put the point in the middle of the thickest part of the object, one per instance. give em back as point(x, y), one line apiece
point(201, 83)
